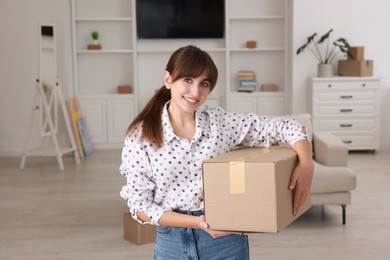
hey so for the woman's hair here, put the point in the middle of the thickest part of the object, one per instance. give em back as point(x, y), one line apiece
point(188, 61)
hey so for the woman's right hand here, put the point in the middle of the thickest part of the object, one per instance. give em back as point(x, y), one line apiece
point(214, 233)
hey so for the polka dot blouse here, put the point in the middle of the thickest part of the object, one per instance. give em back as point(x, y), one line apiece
point(170, 177)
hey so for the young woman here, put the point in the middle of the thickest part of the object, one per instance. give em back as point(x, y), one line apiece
point(166, 145)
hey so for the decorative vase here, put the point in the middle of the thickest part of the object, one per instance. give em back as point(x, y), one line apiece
point(324, 70)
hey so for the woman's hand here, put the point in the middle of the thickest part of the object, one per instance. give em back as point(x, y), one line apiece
point(302, 176)
point(214, 233)
point(301, 182)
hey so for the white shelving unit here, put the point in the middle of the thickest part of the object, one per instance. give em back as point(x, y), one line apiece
point(266, 23)
point(97, 73)
point(124, 59)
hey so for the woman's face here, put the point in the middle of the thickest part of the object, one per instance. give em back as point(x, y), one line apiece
point(187, 94)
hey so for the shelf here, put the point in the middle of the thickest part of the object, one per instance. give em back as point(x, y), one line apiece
point(276, 17)
point(257, 93)
point(257, 50)
point(107, 96)
point(105, 19)
point(103, 51)
point(172, 50)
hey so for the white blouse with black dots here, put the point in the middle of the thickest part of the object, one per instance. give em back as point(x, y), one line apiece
point(170, 177)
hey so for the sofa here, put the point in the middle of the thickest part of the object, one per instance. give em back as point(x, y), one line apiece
point(333, 181)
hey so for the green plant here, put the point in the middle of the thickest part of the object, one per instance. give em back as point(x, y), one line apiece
point(339, 45)
point(95, 35)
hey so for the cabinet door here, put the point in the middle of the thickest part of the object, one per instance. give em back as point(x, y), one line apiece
point(271, 106)
point(94, 112)
point(120, 113)
point(243, 105)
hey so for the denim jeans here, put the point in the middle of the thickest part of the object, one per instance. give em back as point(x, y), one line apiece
point(196, 244)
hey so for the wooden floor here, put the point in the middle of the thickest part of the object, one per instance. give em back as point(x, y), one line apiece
point(77, 214)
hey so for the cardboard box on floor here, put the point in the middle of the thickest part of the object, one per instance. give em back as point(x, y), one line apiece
point(246, 190)
point(137, 233)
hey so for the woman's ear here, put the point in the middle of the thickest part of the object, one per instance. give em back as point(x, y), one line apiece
point(167, 79)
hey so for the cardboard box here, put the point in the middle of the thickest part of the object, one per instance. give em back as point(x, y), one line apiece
point(269, 87)
point(246, 190)
point(362, 68)
point(357, 53)
point(124, 89)
point(137, 233)
point(94, 47)
point(251, 44)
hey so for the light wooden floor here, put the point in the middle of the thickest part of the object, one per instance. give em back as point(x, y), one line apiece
point(77, 214)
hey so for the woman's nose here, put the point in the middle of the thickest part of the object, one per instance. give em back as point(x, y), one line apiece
point(195, 90)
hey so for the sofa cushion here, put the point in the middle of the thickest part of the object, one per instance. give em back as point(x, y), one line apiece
point(332, 179)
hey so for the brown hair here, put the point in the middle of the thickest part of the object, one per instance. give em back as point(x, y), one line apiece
point(188, 61)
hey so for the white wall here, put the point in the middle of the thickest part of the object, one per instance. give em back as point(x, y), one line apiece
point(362, 23)
point(19, 20)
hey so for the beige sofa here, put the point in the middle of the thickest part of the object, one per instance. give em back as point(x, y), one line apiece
point(333, 181)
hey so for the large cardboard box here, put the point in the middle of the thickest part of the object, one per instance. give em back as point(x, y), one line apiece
point(246, 190)
point(362, 68)
point(137, 233)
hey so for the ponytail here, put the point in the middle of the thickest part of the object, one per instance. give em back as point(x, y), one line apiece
point(150, 117)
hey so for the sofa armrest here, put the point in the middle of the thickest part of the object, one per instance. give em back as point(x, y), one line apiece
point(329, 150)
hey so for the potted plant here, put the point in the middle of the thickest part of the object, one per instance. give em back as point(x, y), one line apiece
point(325, 60)
point(95, 38)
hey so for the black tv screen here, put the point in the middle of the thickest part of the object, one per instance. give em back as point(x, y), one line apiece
point(180, 19)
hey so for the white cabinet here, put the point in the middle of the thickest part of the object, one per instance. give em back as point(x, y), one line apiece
point(348, 107)
point(269, 104)
point(108, 118)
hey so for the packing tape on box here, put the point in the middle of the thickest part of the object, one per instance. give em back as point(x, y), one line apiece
point(237, 177)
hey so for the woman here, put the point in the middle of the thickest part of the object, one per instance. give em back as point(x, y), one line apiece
point(166, 145)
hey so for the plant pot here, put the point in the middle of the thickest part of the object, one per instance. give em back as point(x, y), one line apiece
point(324, 70)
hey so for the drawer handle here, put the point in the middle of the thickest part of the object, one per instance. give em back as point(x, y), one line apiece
point(345, 125)
point(347, 141)
point(346, 110)
point(345, 97)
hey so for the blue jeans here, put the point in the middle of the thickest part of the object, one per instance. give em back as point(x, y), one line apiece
point(196, 244)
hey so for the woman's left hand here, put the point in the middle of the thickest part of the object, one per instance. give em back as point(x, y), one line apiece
point(300, 182)
point(302, 176)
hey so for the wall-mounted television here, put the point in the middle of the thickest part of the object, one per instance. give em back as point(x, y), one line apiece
point(162, 19)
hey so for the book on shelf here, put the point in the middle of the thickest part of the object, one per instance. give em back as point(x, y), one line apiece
point(247, 81)
point(246, 75)
point(250, 82)
point(248, 89)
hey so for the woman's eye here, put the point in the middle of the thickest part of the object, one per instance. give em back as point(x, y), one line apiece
point(205, 84)
point(188, 80)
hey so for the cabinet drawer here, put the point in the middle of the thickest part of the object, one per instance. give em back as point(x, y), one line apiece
point(346, 125)
point(340, 110)
point(345, 96)
point(350, 85)
point(357, 142)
